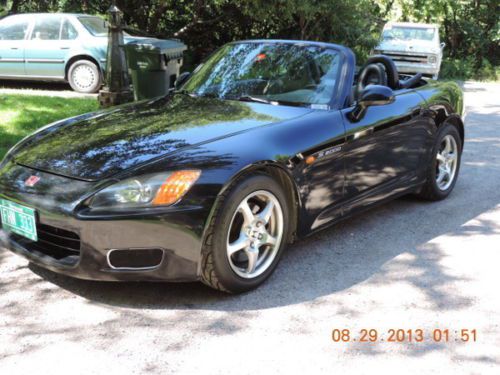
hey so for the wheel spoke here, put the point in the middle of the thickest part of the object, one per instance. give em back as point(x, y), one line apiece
point(448, 172)
point(266, 213)
point(270, 240)
point(237, 245)
point(247, 213)
point(253, 256)
point(441, 158)
point(447, 147)
point(442, 174)
point(452, 156)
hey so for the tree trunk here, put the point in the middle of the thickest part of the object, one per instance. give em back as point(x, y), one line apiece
point(15, 6)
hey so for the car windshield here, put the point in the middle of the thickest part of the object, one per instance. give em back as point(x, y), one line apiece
point(409, 33)
point(95, 25)
point(268, 72)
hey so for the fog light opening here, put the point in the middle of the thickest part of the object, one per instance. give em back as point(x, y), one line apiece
point(135, 259)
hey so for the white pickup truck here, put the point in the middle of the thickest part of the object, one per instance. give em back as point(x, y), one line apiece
point(414, 47)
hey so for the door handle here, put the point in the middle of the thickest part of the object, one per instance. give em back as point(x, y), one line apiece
point(14, 48)
point(416, 112)
point(363, 133)
point(64, 47)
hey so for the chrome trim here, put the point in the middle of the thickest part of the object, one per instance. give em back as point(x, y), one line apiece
point(29, 77)
point(11, 60)
point(363, 133)
point(45, 61)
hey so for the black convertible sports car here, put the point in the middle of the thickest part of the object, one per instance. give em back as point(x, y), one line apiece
point(266, 142)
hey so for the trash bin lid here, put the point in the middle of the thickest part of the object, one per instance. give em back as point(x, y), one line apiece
point(173, 49)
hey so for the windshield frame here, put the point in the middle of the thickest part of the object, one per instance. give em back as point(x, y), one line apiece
point(340, 91)
point(413, 29)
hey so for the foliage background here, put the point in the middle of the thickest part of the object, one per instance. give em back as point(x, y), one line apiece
point(470, 28)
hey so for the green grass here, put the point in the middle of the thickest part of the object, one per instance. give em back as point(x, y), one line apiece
point(21, 115)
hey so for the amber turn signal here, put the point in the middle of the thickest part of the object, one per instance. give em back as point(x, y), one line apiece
point(310, 159)
point(175, 187)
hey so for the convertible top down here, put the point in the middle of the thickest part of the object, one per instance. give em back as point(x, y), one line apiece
point(267, 141)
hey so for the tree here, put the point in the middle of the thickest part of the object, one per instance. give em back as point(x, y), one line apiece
point(470, 28)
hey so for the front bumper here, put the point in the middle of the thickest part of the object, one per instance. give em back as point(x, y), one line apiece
point(412, 68)
point(181, 251)
point(177, 231)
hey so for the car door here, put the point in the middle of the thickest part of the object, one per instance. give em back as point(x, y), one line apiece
point(13, 31)
point(47, 48)
point(384, 149)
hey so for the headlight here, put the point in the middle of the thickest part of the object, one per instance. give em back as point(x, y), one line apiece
point(146, 191)
point(432, 59)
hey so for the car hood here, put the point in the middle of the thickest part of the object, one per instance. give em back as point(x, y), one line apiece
point(109, 142)
point(398, 45)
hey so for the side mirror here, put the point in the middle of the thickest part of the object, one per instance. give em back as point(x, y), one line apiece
point(371, 95)
point(442, 45)
point(183, 77)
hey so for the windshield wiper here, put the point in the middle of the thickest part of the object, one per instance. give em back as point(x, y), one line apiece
point(183, 92)
point(193, 95)
point(248, 98)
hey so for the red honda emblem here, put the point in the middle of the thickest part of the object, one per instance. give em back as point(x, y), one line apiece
point(32, 181)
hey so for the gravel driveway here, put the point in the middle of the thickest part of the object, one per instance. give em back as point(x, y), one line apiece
point(409, 265)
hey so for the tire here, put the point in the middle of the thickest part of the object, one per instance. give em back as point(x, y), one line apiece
point(434, 189)
point(84, 76)
point(231, 225)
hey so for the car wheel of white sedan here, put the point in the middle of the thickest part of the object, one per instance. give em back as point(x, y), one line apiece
point(84, 76)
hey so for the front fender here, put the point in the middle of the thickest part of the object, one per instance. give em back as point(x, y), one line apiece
point(280, 147)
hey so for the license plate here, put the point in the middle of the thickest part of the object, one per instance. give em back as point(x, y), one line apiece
point(18, 219)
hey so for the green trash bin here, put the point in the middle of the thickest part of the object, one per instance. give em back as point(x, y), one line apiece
point(154, 65)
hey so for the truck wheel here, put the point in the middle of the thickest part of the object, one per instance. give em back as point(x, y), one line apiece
point(84, 76)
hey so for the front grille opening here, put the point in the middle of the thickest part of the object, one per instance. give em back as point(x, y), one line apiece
point(56, 243)
point(407, 58)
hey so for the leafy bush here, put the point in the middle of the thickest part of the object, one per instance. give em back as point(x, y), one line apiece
point(467, 68)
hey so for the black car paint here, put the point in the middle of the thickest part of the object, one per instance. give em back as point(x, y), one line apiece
point(357, 164)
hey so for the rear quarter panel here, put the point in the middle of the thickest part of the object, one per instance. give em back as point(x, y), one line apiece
point(443, 95)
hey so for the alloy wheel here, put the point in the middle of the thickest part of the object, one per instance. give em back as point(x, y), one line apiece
point(447, 162)
point(255, 234)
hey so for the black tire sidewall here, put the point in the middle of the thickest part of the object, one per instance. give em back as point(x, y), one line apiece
point(446, 129)
point(226, 276)
point(94, 67)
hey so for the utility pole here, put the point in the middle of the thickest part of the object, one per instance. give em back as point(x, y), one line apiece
point(117, 81)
